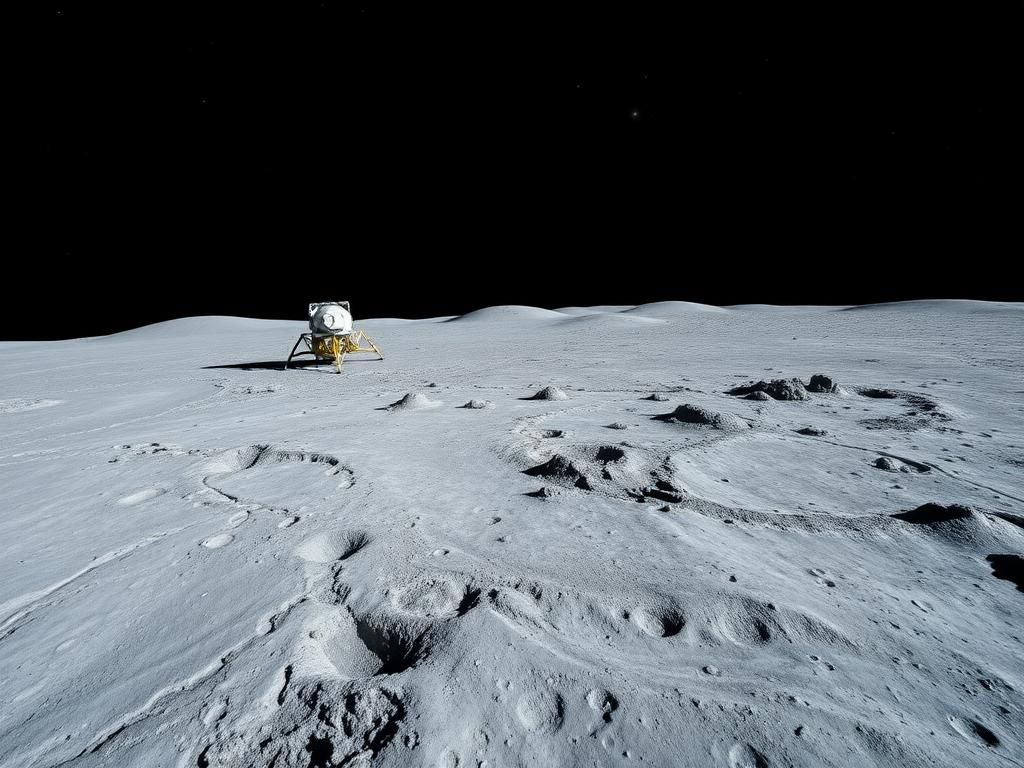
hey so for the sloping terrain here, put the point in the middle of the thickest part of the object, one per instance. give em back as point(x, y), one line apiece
point(593, 536)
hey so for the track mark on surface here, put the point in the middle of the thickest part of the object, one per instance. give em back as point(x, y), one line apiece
point(140, 496)
point(265, 626)
point(24, 605)
point(21, 405)
point(218, 541)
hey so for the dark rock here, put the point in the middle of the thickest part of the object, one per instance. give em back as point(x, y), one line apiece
point(928, 514)
point(822, 384)
point(777, 389)
point(812, 431)
point(560, 468)
point(695, 414)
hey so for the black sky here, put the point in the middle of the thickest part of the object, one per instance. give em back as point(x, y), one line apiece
point(424, 159)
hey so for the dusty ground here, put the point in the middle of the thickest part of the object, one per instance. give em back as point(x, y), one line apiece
point(208, 561)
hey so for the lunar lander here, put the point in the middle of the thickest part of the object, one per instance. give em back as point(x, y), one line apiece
point(331, 335)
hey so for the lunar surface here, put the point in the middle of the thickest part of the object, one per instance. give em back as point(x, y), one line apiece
point(669, 535)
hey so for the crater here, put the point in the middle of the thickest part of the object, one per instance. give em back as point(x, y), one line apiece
point(658, 621)
point(331, 546)
point(261, 475)
point(609, 453)
point(397, 647)
point(974, 731)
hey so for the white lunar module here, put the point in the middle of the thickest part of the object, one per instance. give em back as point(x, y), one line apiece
point(331, 335)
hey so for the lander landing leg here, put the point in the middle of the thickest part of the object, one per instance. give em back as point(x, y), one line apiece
point(333, 347)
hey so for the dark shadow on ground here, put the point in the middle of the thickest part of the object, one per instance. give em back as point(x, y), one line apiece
point(1009, 567)
point(278, 365)
point(265, 365)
